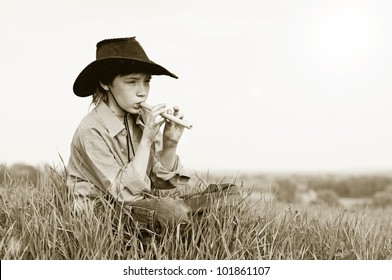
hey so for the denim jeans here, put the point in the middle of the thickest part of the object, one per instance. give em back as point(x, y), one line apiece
point(158, 214)
point(155, 215)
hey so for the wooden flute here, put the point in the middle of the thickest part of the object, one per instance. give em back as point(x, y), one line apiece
point(168, 116)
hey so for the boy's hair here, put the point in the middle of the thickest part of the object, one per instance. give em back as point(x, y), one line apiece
point(107, 75)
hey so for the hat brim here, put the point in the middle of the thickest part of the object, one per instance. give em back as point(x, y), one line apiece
point(87, 81)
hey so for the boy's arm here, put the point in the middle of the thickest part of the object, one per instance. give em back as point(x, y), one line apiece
point(168, 154)
point(162, 178)
point(168, 171)
point(124, 183)
point(171, 136)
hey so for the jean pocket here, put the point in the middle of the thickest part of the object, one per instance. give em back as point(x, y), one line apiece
point(145, 218)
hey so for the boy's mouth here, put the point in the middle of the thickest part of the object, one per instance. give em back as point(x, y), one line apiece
point(139, 104)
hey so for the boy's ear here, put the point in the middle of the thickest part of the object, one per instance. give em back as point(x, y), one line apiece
point(105, 87)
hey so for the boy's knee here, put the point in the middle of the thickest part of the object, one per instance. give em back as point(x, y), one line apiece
point(163, 213)
point(173, 213)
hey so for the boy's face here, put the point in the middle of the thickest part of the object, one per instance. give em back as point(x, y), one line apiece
point(130, 90)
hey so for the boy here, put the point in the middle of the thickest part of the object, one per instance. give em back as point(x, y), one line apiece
point(117, 151)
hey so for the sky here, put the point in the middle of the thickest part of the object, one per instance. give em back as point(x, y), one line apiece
point(268, 85)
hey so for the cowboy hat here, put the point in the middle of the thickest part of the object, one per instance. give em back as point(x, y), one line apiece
point(113, 52)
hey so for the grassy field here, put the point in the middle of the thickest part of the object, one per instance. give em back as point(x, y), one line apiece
point(37, 222)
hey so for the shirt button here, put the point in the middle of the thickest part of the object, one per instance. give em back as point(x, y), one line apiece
point(124, 133)
point(122, 150)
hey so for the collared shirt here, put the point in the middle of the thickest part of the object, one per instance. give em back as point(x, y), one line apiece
point(99, 163)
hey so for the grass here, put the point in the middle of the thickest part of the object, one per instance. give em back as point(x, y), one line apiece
point(39, 223)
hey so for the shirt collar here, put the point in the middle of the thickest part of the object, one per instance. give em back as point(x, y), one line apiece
point(140, 119)
point(112, 122)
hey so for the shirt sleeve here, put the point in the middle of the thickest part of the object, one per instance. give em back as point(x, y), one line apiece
point(164, 179)
point(124, 183)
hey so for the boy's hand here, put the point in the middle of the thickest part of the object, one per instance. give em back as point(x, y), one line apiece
point(153, 122)
point(172, 131)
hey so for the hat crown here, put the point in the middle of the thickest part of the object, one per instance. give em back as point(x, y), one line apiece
point(121, 47)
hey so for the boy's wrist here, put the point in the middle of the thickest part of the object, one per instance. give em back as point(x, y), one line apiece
point(145, 141)
point(169, 144)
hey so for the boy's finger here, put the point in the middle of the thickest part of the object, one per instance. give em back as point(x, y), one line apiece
point(180, 116)
point(159, 120)
point(158, 106)
point(176, 110)
point(158, 112)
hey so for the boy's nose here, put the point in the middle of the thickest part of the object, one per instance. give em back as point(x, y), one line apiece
point(142, 90)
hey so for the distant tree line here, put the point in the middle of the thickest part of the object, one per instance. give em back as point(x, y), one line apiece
point(352, 186)
point(330, 189)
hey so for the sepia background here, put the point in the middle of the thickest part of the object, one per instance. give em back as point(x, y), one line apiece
point(268, 85)
point(290, 103)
